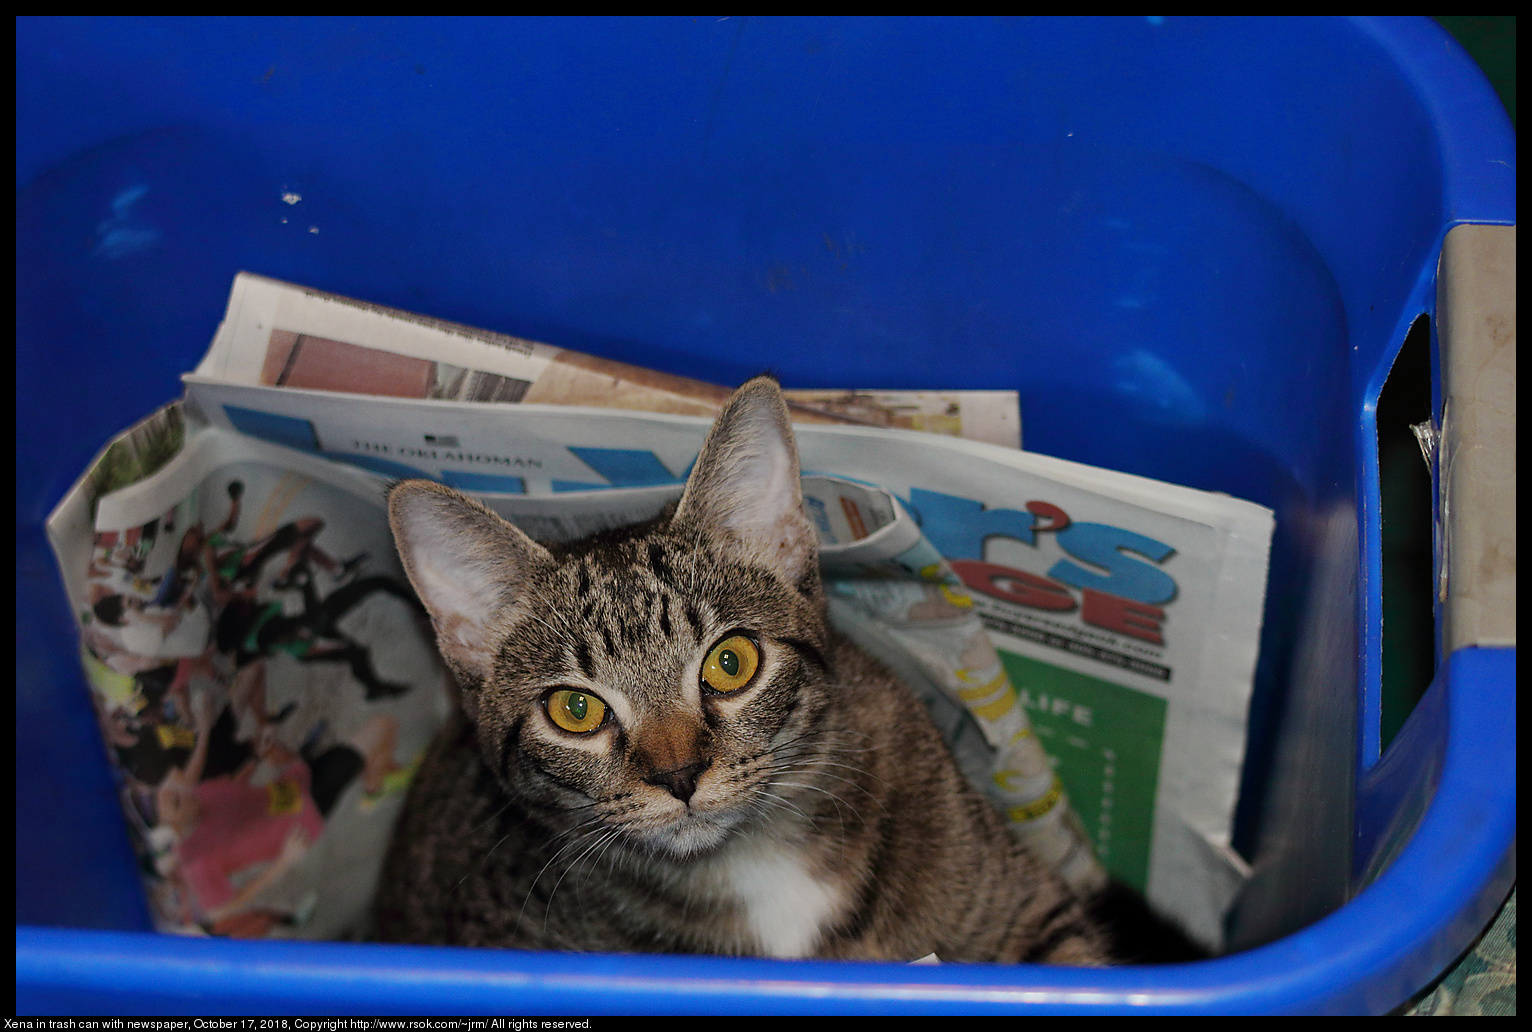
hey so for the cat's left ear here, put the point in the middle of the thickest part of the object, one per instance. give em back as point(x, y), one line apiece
point(744, 490)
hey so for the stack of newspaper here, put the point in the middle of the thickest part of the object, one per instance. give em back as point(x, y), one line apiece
point(1086, 639)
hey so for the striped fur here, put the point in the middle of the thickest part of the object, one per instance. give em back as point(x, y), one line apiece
point(814, 812)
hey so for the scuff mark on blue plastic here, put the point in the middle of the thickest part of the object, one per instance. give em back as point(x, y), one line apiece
point(1159, 392)
point(121, 235)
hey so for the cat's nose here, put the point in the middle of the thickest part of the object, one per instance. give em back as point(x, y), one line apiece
point(681, 781)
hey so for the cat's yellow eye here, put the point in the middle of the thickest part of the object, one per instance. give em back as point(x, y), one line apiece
point(731, 664)
point(576, 711)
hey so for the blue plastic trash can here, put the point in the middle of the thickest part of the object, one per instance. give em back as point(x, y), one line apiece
point(1193, 246)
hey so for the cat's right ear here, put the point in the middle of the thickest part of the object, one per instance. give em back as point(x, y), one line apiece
point(744, 488)
point(469, 567)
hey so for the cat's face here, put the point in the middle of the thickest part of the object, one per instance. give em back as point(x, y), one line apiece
point(660, 683)
point(657, 686)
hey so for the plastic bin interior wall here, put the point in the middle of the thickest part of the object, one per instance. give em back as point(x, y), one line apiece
point(1194, 247)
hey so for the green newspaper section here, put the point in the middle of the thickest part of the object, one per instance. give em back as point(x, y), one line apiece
point(1106, 739)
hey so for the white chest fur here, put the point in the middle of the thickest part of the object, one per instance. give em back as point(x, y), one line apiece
point(786, 904)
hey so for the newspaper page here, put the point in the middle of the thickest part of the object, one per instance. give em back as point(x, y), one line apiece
point(892, 593)
point(1126, 612)
point(277, 334)
point(264, 680)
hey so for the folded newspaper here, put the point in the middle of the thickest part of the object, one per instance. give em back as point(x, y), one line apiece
point(1085, 639)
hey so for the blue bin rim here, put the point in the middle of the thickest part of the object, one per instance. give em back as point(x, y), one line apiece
point(1474, 134)
point(1371, 955)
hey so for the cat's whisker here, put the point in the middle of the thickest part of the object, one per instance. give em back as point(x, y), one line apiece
point(839, 815)
point(838, 800)
point(571, 830)
point(812, 765)
point(821, 755)
point(596, 860)
point(779, 780)
point(610, 834)
point(767, 805)
point(543, 870)
point(794, 749)
point(492, 817)
point(838, 742)
point(836, 777)
point(483, 859)
point(784, 804)
point(527, 818)
point(545, 623)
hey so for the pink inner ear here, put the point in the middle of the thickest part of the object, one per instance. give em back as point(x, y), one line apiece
point(461, 610)
point(745, 484)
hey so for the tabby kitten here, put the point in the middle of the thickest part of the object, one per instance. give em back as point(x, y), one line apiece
point(664, 747)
